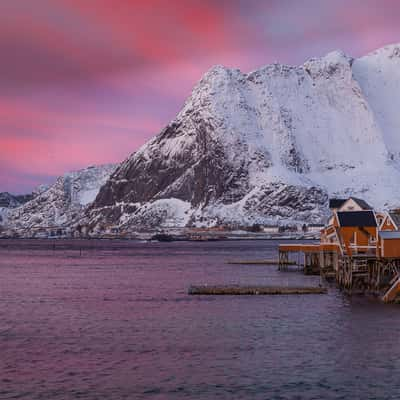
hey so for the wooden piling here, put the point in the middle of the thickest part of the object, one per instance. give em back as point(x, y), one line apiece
point(355, 273)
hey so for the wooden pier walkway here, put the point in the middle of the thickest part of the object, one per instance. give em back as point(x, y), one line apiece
point(314, 259)
point(358, 273)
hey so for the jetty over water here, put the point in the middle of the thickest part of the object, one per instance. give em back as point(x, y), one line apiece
point(359, 249)
point(313, 258)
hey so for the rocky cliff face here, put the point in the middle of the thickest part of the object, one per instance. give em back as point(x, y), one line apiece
point(266, 146)
point(60, 204)
point(9, 201)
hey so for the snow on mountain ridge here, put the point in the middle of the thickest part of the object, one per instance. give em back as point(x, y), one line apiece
point(265, 108)
point(292, 132)
point(268, 113)
point(378, 74)
point(263, 147)
point(82, 186)
point(9, 202)
point(62, 203)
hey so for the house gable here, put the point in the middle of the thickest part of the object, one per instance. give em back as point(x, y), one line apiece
point(388, 224)
point(355, 204)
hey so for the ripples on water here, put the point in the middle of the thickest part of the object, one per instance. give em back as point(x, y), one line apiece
point(116, 323)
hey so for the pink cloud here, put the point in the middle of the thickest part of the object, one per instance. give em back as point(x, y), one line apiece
point(88, 82)
point(34, 139)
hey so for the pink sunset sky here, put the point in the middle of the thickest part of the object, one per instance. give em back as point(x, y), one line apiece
point(87, 82)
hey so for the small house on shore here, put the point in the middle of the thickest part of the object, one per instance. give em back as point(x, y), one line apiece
point(359, 247)
point(388, 244)
point(358, 231)
point(353, 226)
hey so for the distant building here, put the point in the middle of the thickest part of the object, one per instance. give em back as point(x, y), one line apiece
point(270, 229)
point(315, 228)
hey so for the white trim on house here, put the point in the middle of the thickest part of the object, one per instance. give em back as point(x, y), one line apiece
point(386, 220)
point(394, 224)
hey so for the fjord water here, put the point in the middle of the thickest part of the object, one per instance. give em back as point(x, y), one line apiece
point(115, 322)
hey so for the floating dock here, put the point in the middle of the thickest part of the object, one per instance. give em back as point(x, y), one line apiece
point(254, 290)
point(259, 262)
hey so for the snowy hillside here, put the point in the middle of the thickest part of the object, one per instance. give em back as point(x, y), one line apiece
point(62, 203)
point(266, 146)
point(9, 201)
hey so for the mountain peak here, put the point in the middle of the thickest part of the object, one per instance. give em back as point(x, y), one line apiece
point(60, 204)
point(247, 147)
point(389, 51)
point(265, 147)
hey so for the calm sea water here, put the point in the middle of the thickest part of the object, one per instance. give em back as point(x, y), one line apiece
point(116, 323)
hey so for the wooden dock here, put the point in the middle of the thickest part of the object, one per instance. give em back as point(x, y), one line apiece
point(254, 290)
point(358, 273)
point(314, 259)
point(259, 262)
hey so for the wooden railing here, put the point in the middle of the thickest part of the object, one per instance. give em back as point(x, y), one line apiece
point(370, 249)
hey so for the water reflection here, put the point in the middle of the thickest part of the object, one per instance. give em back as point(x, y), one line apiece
point(117, 323)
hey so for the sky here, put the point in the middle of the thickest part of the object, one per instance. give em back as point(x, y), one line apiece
point(86, 82)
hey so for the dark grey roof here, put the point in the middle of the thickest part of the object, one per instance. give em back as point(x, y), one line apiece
point(362, 203)
point(356, 218)
point(396, 219)
point(389, 234)
point(336, 203)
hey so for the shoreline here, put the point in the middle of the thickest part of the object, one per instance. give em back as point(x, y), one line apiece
point(113, 243)
point(150, 240)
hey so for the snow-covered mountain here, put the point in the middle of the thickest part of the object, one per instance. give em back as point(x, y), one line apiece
point(266, 146)
point(60, 204)
point(9, 201)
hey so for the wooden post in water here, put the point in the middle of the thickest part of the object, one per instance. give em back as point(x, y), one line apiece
point(335, 261)
point(283, 260)
point(322, 263)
